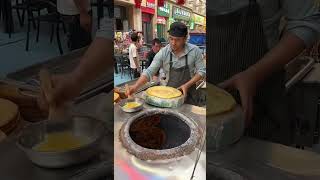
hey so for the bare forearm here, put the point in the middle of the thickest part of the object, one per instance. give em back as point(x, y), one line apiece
point(193, 80)
point(96, 60)
point(82, 5)
point(287, 49)
point(141, 81)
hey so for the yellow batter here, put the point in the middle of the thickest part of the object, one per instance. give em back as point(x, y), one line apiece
point(164, 92)
point(219, 101)
point(60, 141)
point(130, 105)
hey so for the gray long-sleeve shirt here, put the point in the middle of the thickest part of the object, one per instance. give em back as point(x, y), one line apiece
point(302, 17)
point(162, 60)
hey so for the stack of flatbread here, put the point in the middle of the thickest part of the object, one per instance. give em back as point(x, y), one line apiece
point(164, 96)
point(26, 101)
point(164, 92)
point(225, 118)
point(9, 116)
point(219, 101)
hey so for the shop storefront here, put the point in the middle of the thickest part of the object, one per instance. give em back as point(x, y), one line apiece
point(148, 11)
point(122, 9)
point(199, 23)
point(182, 15)
point(163, 20)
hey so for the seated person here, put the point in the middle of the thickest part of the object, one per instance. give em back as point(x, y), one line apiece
point(156, 46)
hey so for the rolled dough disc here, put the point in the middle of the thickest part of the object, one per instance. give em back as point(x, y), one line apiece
point(8, 111)
point(219, 101)
point(164, 92)
point(295, 162)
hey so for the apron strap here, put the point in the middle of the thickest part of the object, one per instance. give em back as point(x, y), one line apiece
point(170, 60)
point(186, 61)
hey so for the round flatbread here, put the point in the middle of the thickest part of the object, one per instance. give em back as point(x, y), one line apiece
point(218, 101)
point(164, 92)
point(8, 111)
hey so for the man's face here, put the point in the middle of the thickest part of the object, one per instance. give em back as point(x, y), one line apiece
point(156, 47)
point(176, 43)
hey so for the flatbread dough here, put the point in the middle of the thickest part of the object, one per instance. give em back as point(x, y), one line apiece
point(295, 161)
point(8, 111)
point(218, 101)
point(164, 92)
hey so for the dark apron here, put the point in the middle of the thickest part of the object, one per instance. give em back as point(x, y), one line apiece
point(180, 76)
point(236, 41)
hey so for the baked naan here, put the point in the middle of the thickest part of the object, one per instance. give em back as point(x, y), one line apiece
point(218, 101)
point(164, 92)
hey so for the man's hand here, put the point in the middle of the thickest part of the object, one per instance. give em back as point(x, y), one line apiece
point(86, 21)
point(246, 84)
point(132, 90)
point(65, 88)
point(184, 88)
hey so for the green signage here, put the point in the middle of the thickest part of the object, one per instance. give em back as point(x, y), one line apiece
point(191, 24)
point(199, 19)
point(165, 10)
point(182, 14)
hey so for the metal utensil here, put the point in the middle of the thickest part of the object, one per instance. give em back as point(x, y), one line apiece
point(200, 85)
point(91, 129)
point(203, 140)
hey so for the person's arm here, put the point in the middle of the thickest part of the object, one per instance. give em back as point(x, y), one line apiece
point(85, 18)
point(200, 70)
point(148, 73)
point(95, 61)
point(302, 31)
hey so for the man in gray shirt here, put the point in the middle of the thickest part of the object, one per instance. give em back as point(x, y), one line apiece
point(182, 63)
point(246, 54)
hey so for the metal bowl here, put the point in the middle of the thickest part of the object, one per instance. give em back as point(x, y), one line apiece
point(131, 110)
point(82, 126)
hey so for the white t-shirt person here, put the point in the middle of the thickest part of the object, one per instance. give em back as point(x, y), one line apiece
point(133, 53)
point(68, 7)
